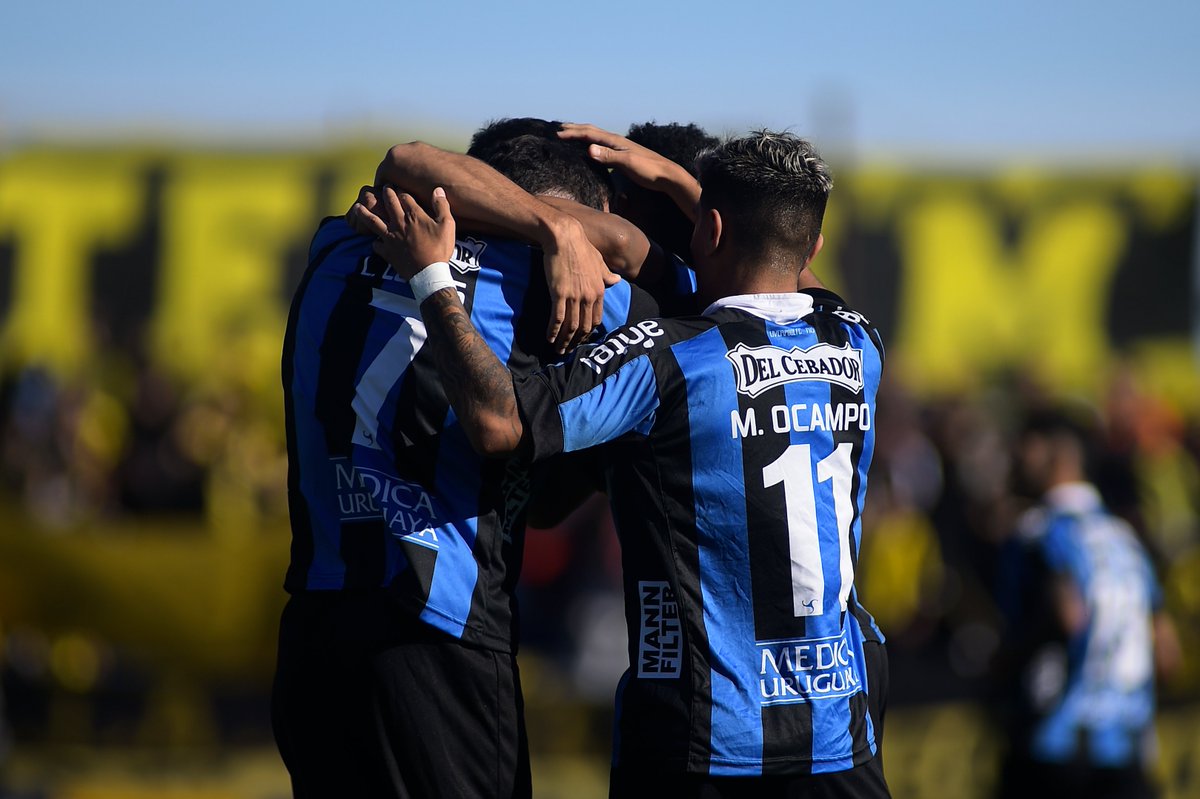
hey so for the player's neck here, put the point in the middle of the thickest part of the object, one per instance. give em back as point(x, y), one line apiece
point(739, 277)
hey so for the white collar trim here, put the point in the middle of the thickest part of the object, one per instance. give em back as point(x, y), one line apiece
point(782, 309)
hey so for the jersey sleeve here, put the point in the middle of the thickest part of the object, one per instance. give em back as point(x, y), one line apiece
point(601, 392)
point(675, 291)
point(625, 304)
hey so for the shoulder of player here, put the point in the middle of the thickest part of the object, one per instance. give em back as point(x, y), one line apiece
point(332, 232)
point(646, 338)
point(827, 302)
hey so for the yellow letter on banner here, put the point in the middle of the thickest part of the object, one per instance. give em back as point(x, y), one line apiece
point(59, 208)
point(228, 222)
point(969, 305)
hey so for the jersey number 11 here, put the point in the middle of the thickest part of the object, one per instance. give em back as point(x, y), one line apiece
point(794, 468)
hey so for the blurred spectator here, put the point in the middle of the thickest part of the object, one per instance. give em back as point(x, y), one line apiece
point(1084, 629)
point(157, 473)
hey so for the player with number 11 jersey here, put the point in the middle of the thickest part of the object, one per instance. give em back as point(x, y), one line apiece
point(746, 636)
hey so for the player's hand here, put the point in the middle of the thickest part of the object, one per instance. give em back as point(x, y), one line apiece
point(640, 164)
point(409, 238)
point(368, 200)
point(576, 276)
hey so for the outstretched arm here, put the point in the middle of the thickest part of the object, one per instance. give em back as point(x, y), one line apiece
point(640, 164)
point(478, 385)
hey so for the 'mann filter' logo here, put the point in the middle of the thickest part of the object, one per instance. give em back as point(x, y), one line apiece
point(761, 368)
point(467, 253)
point(660, 652)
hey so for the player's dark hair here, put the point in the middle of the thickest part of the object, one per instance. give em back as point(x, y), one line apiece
point(681, 143)
point(498, 131)
point(770, 187)
point(656, 213)
point(527, 151)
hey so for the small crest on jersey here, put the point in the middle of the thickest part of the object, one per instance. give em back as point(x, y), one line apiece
point(467, 253)
point(761, 368)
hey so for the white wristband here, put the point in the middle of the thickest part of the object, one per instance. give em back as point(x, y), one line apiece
point(434, 277)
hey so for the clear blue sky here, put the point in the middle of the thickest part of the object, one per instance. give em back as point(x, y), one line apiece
point(1047, 78)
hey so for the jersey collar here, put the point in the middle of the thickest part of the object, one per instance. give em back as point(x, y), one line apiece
point(782, 309)
point(1073, 497)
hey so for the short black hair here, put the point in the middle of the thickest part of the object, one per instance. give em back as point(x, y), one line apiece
point(499, 131)
point(679, 142)
point(527, 151)
point(771, 187)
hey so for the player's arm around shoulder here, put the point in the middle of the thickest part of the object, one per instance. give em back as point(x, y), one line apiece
point(575, 271)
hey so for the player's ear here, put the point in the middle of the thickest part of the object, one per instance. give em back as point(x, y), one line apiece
point(711, 228)
point(816, 249)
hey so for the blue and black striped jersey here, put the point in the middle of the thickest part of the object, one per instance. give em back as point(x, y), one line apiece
point(384, 488)
point(741, 440)
point(1086, 697)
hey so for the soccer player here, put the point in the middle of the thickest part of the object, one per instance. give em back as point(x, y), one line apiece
point(1085, 630)
point(396, 673)
point(738, 443)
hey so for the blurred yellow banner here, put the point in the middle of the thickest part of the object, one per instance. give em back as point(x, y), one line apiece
point(193, 255)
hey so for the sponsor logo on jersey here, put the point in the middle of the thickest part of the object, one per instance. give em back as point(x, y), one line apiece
point(355, 502)
point(467, 253)
point(807, 669)
point(761, 368)
point(642, 334)
point(405, 507)
point(660, 652)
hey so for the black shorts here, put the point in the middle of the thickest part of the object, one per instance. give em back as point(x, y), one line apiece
point(369, 702)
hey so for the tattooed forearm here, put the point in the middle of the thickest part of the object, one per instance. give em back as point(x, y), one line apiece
point(478, 385)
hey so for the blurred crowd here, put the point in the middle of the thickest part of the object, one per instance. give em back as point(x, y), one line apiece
point(126, 439)
point(128, 442)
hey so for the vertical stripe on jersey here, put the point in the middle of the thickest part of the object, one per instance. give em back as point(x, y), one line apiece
point(448, 602)
point(816, 465)
point(345, 334)
point(299, 512)
point(495, 304)
point(845, 723)
point(350, 319)
point(380, 379)
point(872, 376)
point(616, 306)
point(723, 542)
point(786, 726)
